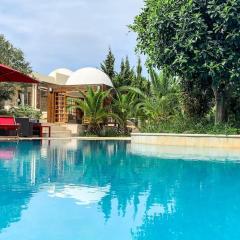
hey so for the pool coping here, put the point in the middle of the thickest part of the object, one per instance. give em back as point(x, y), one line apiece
point(187, 140)
point(2, 139)
point(186, 135)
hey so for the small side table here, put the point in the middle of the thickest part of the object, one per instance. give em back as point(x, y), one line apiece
point(49, 130)
point(40, 128)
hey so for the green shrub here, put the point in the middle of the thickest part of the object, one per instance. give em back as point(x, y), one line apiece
point(25, 111)
point(105, 132)
point(4, 112)
point(113, 132)
point(189, 126)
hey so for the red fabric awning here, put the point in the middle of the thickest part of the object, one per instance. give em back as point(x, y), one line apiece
point(8, 74)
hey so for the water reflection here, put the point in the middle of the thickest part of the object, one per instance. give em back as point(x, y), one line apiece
point(171, 199)
point(82, 195)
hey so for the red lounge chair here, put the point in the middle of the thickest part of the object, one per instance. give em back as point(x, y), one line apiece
point(8, 123)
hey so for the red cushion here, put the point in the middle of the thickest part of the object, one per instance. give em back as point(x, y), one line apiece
point(7, 121)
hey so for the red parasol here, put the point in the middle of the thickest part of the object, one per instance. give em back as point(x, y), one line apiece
point(8, 74)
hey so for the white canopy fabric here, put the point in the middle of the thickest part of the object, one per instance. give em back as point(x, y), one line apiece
point(89, 76)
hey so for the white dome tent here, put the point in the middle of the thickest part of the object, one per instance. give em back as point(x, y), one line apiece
point(60, 75)
point(63, 71)
point(82, 77)
point(89, 76)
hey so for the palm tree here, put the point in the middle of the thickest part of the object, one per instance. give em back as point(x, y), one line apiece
point(92, 104)
point(161, 102)
point(162, 83)
point(124, 105)
point(164, 100)
point(159, 109)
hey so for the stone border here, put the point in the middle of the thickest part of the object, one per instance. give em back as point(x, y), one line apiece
point(68, 138)
point(186, 153)
point(187, 140)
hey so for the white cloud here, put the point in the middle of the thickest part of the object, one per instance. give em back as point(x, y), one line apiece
point(72, 34)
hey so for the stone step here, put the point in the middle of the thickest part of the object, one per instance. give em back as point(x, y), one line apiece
point(58, 128)
point(61, 130)
point(61, 134)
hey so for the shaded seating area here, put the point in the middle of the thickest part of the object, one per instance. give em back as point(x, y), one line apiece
point(20, 126)
point(32, 128)
point(8, 126)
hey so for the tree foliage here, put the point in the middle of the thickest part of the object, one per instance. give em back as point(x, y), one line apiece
point(197, 40)
point(92, 104)
point(162, 102)
point(139, 80)
point(127, 75)
point(108, 65)
point(124, 105)
point(13, 57)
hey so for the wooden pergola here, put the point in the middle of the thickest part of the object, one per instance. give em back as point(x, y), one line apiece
point(57, 102)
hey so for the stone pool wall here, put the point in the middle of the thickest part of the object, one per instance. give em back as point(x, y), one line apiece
point(187, 140)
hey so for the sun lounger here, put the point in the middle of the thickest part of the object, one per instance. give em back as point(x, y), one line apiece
point(8, 123)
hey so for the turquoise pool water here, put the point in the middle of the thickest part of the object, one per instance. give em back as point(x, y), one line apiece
point(73, 190)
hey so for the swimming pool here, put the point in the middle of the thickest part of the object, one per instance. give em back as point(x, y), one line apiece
point(64, 190)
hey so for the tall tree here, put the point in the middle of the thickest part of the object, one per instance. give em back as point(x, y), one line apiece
point(198, 41)
point(108, 65)
point(139, 80)
point(139, 68)
point(126, 75)
point(13, 57)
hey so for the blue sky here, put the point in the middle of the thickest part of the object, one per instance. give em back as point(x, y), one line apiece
point(69, 33)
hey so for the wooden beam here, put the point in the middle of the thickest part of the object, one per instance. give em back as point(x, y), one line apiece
point(50, 107)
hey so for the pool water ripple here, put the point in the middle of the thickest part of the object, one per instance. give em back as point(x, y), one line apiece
point(89, 190)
